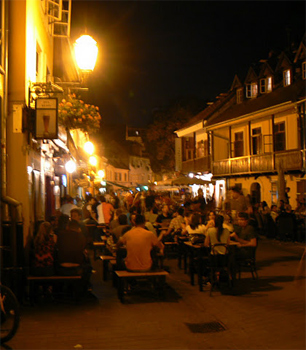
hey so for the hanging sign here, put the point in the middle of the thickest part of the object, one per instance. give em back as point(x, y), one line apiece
point(46, 118)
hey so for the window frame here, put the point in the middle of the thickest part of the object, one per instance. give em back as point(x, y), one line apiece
point(279, 137)
point(256, 141)
point(287, 78)
point(238, 144)
point(304, 70)
point(251, 90)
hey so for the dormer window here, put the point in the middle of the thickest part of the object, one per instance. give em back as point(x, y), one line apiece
point(265, 85)
point(251, 90)
point(239, 95)
point(304, 70)
point(287, 77)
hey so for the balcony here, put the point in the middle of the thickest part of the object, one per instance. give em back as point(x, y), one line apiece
point(202, 164)
point(264, 163)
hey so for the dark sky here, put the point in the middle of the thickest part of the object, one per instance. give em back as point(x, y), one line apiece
point(151, 52)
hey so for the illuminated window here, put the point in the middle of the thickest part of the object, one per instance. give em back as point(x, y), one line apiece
point(265, 85)
point(287, 77)
point(251, 90)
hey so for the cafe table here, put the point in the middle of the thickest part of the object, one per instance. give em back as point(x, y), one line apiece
point(198, 255)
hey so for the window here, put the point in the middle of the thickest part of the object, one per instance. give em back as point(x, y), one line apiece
point(287, 77)
point(238, 144)
point(304, 70)
point(251, 90)
point(279, 137)
point(120, 177)
point(256, 141)
point(188, 148)
point(125, 176)
point(239, 95)
point(265, 85)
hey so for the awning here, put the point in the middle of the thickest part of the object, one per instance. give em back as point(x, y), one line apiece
point(117, 185)
point(184, 180)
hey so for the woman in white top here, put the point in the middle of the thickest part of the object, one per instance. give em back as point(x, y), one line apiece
point(195, 227)
point(217, 234)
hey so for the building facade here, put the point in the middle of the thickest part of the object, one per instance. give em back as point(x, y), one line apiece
point(253, 136)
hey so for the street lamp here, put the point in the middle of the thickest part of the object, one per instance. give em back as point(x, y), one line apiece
point(89, 147)
point(86, 52)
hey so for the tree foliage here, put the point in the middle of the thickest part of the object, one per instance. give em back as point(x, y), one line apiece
point(160, 135)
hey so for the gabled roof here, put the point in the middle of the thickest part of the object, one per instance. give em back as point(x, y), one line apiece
point(283, 62)
point(236, 84)
point(251, 75)
point(293, 93)
point(266, 70)
point(301, 51)
point(213, 109)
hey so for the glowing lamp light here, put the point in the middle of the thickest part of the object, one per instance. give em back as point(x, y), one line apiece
point(89, 147)
point(93, 161)
point(86, 52)
point(70, 166)
point(101, 173)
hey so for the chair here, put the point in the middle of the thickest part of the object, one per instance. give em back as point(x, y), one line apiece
point(218, 264)
point(249, 262)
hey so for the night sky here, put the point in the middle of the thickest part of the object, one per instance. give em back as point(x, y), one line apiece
point(152, 52)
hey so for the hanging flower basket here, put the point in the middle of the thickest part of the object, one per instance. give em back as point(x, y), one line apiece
point(75, 114)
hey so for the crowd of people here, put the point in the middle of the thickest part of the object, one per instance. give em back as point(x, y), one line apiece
point(146, 220)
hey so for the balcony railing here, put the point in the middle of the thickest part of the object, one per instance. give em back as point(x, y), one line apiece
point(202, 164)
point(264, 163)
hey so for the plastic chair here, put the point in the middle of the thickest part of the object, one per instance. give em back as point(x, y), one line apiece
point(218, 264)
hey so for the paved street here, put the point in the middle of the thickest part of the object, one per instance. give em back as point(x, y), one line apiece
point(265, 314)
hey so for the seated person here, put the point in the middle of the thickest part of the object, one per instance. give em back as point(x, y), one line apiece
point(177, 224)
point(44, 245)
point(120, 230)
point(246, 236)
point(72, 256)
point(163, 220)
point(217, 234)
point(139, 243)
point(76, 214)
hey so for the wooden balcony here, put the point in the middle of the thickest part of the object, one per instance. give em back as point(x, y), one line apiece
point(202, 164)
point(264, 163)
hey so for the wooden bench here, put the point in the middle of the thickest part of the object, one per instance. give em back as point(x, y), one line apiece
point(98, 246)
point(106, 259)
point(157, 277)
point(49, 280)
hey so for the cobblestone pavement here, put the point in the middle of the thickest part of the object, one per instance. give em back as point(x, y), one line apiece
point(268, 313)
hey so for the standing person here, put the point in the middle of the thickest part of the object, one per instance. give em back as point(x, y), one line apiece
point(44, 245)
point(237, 203)
point(149, 200)
point(105, 211)
point(139, 242)
point(67, 205)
